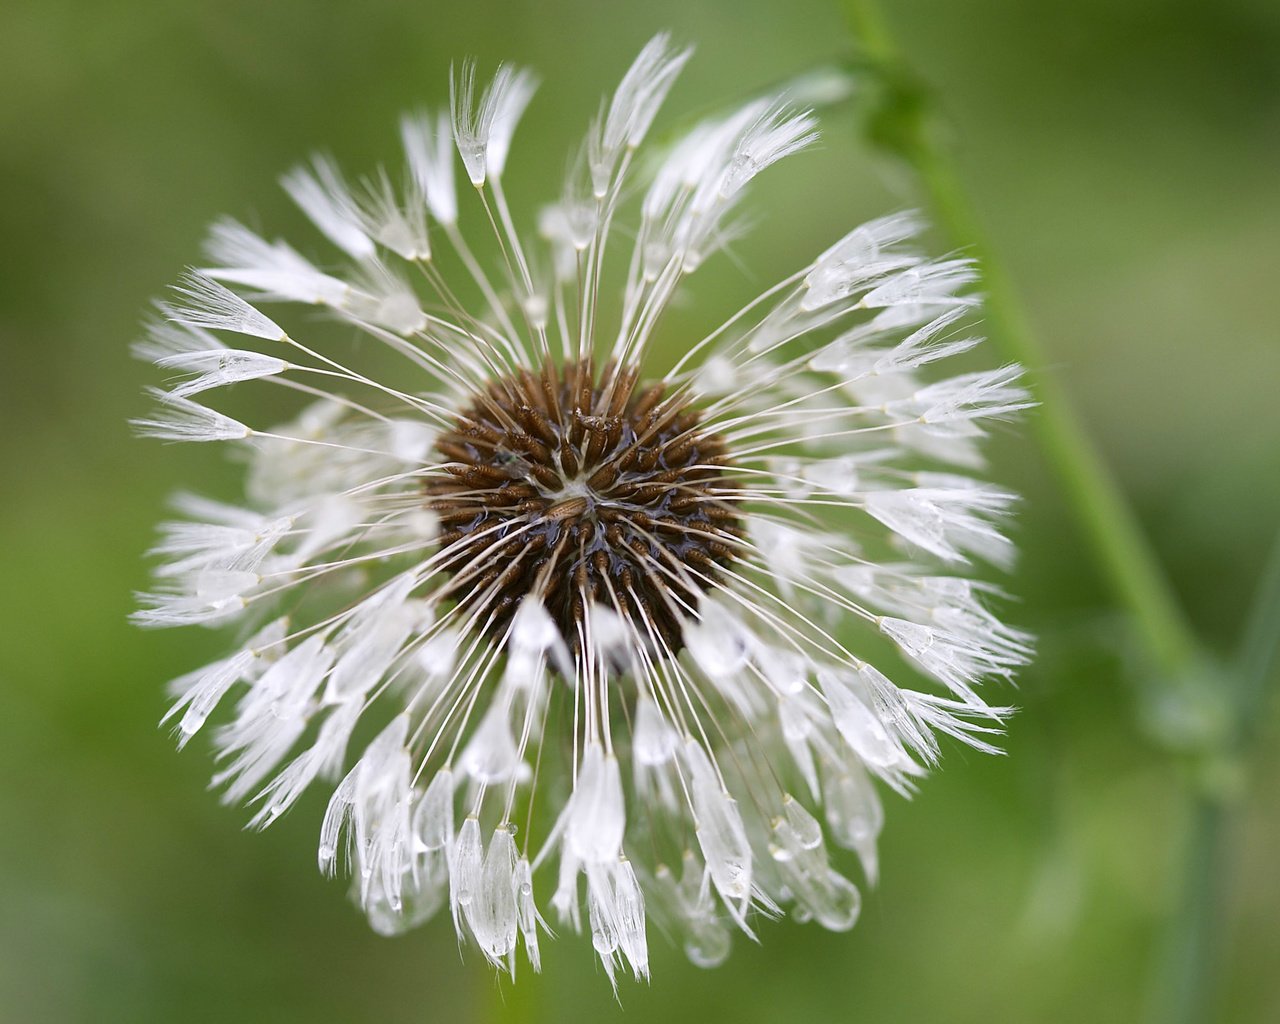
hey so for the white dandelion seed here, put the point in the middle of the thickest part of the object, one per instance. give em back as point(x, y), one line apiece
point(605, 620)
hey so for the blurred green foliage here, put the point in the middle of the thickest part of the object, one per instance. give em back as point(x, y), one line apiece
point(1123, 154)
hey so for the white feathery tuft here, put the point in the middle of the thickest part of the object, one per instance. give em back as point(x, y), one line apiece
point(323, 195)
point(429, 150)
point(273, 270)
point(207, 304)
point(180, 419)
point(483, 128)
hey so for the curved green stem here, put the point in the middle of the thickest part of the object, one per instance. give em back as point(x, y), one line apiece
point(901, 123)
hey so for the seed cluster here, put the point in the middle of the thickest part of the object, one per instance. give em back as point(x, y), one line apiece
point(582, 488)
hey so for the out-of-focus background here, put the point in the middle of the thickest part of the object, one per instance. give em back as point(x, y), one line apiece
point(1123, 155)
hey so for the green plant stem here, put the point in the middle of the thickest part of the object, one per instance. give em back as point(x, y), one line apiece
point(1259, 650)
point(1192, 957)
point(902, 124)
point(1187, 982)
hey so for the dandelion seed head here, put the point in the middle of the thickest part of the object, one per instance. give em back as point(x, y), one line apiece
point(605, 618)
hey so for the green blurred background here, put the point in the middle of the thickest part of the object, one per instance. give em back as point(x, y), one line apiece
point(1124, 155)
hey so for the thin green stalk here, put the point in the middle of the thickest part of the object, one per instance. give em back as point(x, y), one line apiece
point(1193, 958)
point(1259, 650)
point(901, 122)
point(1187, 982)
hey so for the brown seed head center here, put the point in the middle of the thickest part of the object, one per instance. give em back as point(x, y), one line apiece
point(582, 489)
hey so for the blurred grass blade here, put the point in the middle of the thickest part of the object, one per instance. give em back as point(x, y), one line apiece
point(1259, 649)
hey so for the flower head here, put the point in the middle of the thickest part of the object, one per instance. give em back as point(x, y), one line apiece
point(571, 634)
